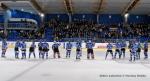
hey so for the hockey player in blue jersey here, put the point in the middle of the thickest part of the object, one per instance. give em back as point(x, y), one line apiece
point(68, 49)
point(45, 47)
point(118, 50)
point(123, 48)
point(4, 47)
point(133, 50)
point(145, 50)
point(109, 50)
point(138, 51)
point(40, 49)
point(23, 49)
point(55, 48)
point(32, 49)
point(89, 46)
point(17, 46)
point(78, 50)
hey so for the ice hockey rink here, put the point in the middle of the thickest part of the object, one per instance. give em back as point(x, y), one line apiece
point(72, 70)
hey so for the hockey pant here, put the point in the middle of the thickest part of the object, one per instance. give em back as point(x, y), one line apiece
point(57, 54)
point(109, 51)
point(3, 52)
point(133, 56)
point(68, 52)
point(32, 53)
point(117, 51)
point(78, 54)
point(138, 55)
point(146, 55)
point(40, 54)
point(90, 53)
point(123, 52)
point(23, 54)
point(16, 54)
point(45, 54)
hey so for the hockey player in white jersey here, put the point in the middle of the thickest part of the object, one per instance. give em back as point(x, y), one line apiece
point(89, 46)
point(23, 49)
point(109, 50)
point(32, 50)
point(78, 50)
point(4, 48)
point(16, 49)
point(55, 48)
point(133, 50)
point(68, 49)
point(118, 50)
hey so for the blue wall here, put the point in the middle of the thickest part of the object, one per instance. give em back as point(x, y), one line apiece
point(1, 18)
point(92, 17)
point(149, 19)
point(60, 17)
point(138, 19)
point(110, 19)
point(65, 17)
point(103, 18)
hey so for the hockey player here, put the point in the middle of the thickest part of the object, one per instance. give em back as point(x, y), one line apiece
point(130, 46)
point(55, 47)
point(32, 49)
point(17, 45)
point(23, 49)
point(138, 51)
point(133, 50)
point(45, 50)
point(145, 50)
point(123, 48)
point(68, 49)
point(109, 50)
point(89, 46)
point(40, 49)
point(4, 48)
point(118, 50)
point(78, 50)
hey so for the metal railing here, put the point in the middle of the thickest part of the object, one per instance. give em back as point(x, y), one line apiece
point(19, 26)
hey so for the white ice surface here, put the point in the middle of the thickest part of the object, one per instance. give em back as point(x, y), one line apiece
point(72, 70)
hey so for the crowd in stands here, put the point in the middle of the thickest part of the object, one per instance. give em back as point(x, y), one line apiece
point(83, 29)
point(89, 29)
point(14, 34)
point(78, 29)
point(28, 34)
point(21, 31)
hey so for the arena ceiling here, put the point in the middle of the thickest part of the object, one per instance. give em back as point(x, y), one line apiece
point(79, 6)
